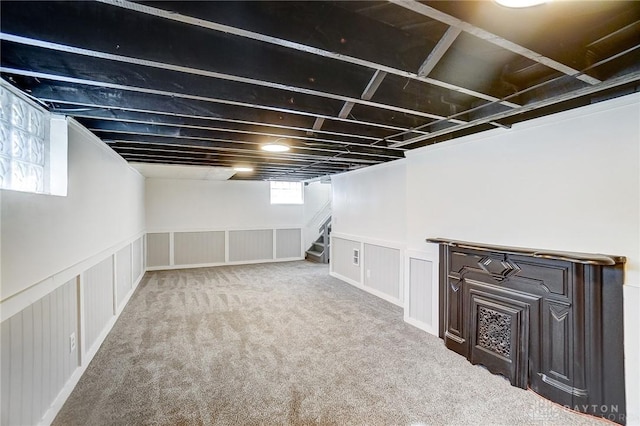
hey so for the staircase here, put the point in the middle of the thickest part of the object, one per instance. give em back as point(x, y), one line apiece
point(319, 250)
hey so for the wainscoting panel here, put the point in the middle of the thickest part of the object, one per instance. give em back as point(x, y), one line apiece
point(137, 256)
point(158, 247)
point(382, 270)
point(98, 300)
point(421, 289)
point(123, 273)
point(342, 259)
point(288, 243)
point(250, 245)
point(420, 306)
point(36, 355)
point(192, 248)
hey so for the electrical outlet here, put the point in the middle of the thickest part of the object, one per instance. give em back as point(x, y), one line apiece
point(72, 342)
point(368, 273)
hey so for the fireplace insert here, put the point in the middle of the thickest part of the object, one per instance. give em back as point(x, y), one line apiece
point(547, 320)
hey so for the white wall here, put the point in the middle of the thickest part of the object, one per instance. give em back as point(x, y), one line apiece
point(369, 209)
point(61, 277)
point(190, 205)
point(240, 210)
point(371, 202)
point(569, 181)
point(43, 234)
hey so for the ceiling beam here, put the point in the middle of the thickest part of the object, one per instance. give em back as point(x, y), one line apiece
point(72, 80)
point(249, 152)
point(222, 162)
point(433, 13)
point(87, 107)
point(265, 174)
point(230, 130)
point(161, 13)
point(609, 84)
point(438, 52)
point(186, 149)
point(372, 86)
point(367, 94)
point(346, 109)
point(181, 135)
point(214, 74)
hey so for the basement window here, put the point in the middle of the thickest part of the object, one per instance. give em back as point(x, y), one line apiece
point(33, 145)
point(287, 193)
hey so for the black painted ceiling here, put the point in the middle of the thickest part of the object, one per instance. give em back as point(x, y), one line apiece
point(345, 84)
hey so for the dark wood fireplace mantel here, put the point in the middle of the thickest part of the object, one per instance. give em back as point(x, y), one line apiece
point(548, 320)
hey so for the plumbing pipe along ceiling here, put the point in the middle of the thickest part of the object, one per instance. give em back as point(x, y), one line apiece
point(344, 84)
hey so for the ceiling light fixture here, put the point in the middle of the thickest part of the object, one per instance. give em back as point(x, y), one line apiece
point(243, 169)
point(520, 3)
point(275, 146)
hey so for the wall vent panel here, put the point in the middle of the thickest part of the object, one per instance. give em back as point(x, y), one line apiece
point(158, 249)
point(288, 243)
point(250, 245)
point(98, 299)
point(342, 260)
point(192, 248)
point(36, 360)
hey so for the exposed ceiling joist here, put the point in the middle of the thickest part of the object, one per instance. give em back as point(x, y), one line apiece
point(294, 45)
point(438, 52)
point(102, 84)
point(433, 13)
point(212, 74)
point(346, 84)
point(332, 142)
point(609, 84)
point(373, 85)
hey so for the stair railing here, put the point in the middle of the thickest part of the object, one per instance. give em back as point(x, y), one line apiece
point(324, 230)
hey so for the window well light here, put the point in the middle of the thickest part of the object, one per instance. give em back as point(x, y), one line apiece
point(275, 147)
point(243, 169)
point(520, 3)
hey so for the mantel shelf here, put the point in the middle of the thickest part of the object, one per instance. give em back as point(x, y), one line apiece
point(584, 258)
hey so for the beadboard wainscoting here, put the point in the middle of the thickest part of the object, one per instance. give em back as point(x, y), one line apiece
point(202, 248)
point(421, 289)
point(52, 330)
point(371, 265)
point(407, 278)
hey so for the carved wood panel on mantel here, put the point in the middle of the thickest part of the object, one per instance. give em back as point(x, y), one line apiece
point(540, 318)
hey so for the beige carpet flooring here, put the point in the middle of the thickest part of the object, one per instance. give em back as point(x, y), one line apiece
point(284, 344)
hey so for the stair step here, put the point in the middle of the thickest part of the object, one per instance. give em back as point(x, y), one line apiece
point(314, 256)
point(317, 247)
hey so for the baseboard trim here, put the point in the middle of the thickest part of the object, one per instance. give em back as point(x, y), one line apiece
point(209, 265)
point(421, 325)
point(366, 289)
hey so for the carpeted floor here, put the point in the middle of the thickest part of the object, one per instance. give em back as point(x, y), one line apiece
point(282, 344)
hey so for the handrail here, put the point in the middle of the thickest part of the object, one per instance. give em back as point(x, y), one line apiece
point(320, 215)
point(325, 239)
point(325, 224)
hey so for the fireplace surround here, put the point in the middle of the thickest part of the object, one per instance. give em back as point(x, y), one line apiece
point(547, 320)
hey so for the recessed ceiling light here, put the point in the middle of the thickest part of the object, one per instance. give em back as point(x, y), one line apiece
point(275, 147)
point(520, 3)
point(243, 169)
